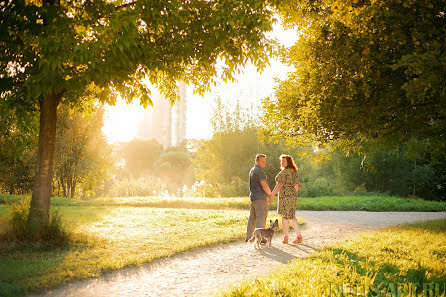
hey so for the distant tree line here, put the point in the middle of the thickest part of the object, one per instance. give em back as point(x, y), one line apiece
point(86, 166)
point(223, 163)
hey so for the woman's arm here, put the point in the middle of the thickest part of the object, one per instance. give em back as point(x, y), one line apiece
point(276, 190)
point(296, 186)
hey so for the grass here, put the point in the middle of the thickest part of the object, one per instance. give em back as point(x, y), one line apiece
point(106, 238)
point(358, 203)
point(409, 260)
point(369, 203)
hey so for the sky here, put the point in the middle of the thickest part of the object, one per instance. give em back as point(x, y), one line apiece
point(121, 121)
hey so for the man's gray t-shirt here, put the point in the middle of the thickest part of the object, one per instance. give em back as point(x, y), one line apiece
point(255, 188)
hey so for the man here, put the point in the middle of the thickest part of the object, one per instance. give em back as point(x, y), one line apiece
point(259, 192)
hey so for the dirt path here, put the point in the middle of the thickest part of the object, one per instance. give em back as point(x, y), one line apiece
point(205, 271)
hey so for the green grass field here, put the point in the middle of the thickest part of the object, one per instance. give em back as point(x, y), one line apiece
point(365, 203)
point(369, 203)
point(399, 261)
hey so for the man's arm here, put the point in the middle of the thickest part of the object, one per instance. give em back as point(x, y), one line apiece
point(265, 187)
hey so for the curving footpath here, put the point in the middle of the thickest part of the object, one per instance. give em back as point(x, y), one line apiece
point(205, 271)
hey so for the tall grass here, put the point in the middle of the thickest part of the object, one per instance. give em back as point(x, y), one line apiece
point(18, 231)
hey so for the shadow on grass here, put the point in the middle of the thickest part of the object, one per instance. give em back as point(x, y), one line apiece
point(23, 262)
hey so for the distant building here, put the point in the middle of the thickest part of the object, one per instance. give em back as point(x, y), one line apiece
point(163, 122)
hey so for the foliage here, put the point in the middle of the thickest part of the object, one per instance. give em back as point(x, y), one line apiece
point(83, 157)
point(222, 163)
point(388, 262)
point(18, 138)
point(396, 172)
point(97, 47)
point(174, 167)
point(365, 70)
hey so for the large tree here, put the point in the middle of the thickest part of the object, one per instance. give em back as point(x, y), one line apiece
point(364, 70)
point(56, 51)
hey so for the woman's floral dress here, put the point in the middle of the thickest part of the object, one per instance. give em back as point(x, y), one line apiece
point(287, 195)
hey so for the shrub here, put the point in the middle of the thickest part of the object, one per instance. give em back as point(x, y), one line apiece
point(319, 187)
point(19, 232)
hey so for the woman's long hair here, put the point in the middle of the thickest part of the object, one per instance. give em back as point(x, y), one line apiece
point(289, 161)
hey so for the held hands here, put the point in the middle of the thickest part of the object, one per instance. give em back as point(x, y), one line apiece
point(271, 199)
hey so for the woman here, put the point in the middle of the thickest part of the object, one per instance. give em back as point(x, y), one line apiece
point(287, 185)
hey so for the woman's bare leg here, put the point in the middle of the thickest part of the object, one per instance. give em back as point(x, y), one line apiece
point(295, 226)
point(297, 230)
point(286, 227)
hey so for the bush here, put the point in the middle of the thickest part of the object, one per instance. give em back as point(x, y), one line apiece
point(19, 232)
point(237, 188)
point(319, 187)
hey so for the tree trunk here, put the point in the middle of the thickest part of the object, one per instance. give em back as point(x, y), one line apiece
point(64, 188)
point(73, 188)
point(40, 201)
point(69, 179)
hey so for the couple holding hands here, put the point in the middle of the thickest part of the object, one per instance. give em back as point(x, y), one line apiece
point(287, 186)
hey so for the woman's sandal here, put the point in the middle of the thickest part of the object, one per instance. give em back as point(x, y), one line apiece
point(298, 239)
point(285, 240)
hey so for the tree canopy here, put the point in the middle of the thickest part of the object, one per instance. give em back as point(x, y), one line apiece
point(99, 47)
point(75, 51)
point(365, 70)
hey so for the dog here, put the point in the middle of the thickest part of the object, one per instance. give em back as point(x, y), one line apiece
point(261, 234)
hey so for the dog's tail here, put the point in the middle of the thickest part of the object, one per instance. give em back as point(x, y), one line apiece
point(252, 239)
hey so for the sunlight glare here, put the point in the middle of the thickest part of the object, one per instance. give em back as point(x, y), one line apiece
point(121, 121)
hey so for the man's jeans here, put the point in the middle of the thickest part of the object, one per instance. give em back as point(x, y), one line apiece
point(257, 217)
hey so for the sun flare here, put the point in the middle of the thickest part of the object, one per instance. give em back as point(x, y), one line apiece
point(121, 121)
